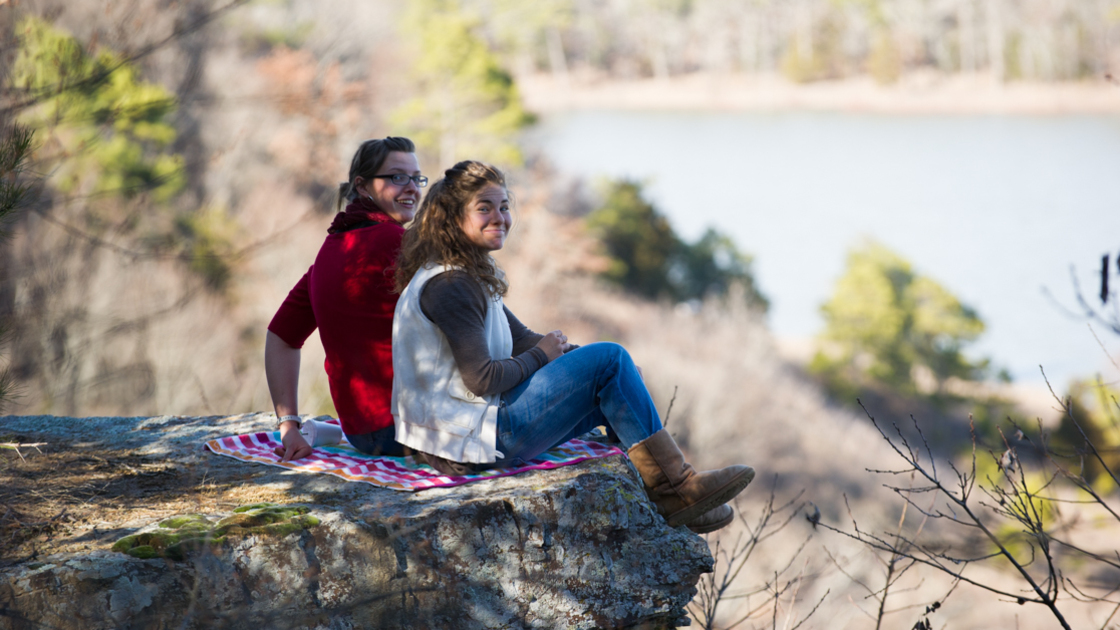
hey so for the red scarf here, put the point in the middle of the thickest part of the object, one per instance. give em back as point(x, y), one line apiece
point(360, 213)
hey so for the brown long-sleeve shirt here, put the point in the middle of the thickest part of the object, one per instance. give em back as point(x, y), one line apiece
point(457, 303)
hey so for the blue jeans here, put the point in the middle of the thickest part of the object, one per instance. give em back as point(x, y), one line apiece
point(590, 386)
point(377, 443)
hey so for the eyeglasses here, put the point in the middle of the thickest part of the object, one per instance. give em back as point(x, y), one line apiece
point(402, 179)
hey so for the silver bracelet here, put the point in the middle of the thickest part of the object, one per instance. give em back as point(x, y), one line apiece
point(282, 419)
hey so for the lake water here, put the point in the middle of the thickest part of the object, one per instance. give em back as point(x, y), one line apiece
point(995, 208)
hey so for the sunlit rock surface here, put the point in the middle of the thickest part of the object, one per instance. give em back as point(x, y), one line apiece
point(574, 547)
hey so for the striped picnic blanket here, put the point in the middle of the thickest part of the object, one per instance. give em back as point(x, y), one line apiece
point(398, 473)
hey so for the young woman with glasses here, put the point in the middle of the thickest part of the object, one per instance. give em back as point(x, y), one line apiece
point(473, 387)
point(348, 295)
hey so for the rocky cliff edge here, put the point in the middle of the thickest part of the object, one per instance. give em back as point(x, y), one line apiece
point(218, 543)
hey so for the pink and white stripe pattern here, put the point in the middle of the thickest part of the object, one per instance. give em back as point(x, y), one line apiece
point(398, 473)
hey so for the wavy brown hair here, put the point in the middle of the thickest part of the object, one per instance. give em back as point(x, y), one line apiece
point(436, 233)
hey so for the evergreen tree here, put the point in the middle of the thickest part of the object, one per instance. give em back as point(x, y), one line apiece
point(468, 105)
point(15, 195)
point(108, 140)
point(1091, 424)
point(639, 241)
point(649, 259)
point(107, 128)
point(713, 264)
point(884, 321)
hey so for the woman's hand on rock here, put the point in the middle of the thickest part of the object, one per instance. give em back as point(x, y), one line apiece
point(554, 344)
point(295, 447)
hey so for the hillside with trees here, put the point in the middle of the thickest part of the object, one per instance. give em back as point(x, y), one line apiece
point(808, 40)
point(167, 173)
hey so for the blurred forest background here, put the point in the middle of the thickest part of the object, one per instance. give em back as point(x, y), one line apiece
point(167, 172)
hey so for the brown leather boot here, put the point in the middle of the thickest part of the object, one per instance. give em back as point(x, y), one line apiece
point(680, 493)
point(715, 518)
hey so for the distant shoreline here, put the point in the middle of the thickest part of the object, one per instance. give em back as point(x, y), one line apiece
point(1034, 400)
point(914, 94)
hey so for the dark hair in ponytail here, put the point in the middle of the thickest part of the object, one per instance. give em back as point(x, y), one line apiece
point(436, 234)
point(367, 161)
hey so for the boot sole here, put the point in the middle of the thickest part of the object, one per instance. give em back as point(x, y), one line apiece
point(711, 527)
point(715, 499)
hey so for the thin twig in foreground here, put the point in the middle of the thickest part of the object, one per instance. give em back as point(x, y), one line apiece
point(670, 409)
point(16, 446)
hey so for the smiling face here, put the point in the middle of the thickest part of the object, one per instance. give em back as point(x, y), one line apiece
point(399, 202)
point(486, 220)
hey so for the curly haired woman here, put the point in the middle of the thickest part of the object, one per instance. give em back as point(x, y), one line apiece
point(473, 387)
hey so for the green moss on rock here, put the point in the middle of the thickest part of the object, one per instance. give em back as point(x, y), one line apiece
point(254, 506)
point(179, 536)
point(143, 552)
point(293, 525)
point(187, 520)
point(262, 514)
point(124, 544)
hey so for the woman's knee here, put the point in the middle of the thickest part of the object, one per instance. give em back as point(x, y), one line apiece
point(606, 354)
point(605, 350)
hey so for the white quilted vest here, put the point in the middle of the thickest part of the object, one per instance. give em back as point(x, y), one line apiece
point(433, 410)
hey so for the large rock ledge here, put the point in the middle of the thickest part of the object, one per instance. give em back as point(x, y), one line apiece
point(574, 547)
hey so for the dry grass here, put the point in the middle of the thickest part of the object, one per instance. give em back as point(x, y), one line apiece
point(69, 499)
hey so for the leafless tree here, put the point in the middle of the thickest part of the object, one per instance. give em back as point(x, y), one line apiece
point(895, 566)
point(1047, 40)
point(1107, 313)
point(716, 589)
point(1015, 516)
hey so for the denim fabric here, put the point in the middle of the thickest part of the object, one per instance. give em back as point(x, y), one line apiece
point(380, 442)
point(593, 385)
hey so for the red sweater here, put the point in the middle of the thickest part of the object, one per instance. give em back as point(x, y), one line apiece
point(348, 295)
